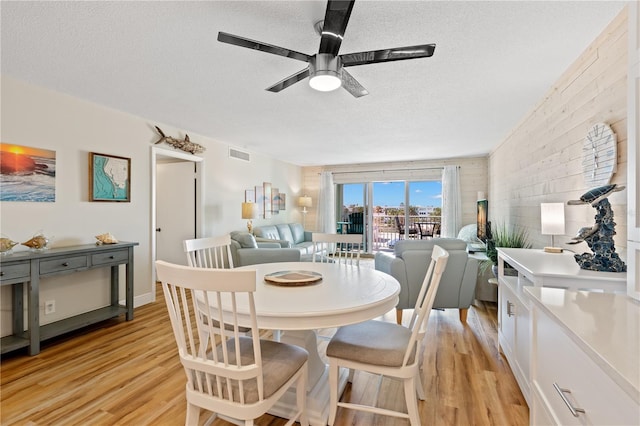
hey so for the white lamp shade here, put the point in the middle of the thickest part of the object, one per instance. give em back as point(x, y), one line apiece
point(249, 210)
point(552, 218)
point(304, 201)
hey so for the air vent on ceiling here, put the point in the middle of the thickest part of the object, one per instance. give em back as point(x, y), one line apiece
point(239, 155)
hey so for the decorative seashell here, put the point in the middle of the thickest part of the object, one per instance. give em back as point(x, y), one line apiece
point(106, 238)
point(6, 244)
point(37, 242)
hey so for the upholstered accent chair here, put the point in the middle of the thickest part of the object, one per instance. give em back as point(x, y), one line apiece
point(408, 264)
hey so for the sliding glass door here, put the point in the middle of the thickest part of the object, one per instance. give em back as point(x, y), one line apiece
point(385, 212)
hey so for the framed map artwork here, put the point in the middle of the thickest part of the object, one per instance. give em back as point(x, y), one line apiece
point(109, 178)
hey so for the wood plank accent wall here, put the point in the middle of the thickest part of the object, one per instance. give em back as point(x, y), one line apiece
point(540, 160)
point(473, 179)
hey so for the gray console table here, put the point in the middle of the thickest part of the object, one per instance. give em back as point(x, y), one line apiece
point(30, 266)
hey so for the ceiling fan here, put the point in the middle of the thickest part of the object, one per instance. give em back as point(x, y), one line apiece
point(326, 69)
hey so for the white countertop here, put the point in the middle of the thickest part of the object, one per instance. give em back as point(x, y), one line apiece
point(606, 326)
point(537, 263)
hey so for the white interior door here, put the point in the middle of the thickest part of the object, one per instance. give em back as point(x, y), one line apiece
point(175, 209)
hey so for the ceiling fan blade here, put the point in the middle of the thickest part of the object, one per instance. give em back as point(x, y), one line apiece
point(352, 86)
point(283, 84)
point(387, 55)
point(264, 47)
point(335, 24)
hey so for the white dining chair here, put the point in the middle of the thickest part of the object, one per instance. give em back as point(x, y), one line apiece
point(387, 349)
point(210, 252)
point(228, 374)
point(337, 248)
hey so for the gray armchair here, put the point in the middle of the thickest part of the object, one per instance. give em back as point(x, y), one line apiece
point(408, 264)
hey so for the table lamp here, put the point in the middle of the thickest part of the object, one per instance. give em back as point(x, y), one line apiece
point(552, 221)
point(249, 211)
point(304, 202)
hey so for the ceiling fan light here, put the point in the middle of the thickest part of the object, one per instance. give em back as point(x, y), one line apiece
point(325, 72)
point(325, 82)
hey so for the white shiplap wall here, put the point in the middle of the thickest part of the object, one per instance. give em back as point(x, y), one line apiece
point(540, 160)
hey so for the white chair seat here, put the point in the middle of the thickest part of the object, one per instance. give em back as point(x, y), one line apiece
point(363, 343)
point(280, 362)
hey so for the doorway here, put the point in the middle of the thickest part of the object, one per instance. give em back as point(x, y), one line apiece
point(177, 203)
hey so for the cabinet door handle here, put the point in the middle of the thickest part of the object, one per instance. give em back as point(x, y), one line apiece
point(112, 257)
point(2, 274)
point(65, 264)
point(570, 406)
point(510, 311)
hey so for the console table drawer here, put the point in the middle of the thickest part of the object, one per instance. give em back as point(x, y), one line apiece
point(10, 272)
point(579, 382)
point(62, 264)
point(116, 256)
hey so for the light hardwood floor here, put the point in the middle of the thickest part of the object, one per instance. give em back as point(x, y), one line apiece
point(128, 373)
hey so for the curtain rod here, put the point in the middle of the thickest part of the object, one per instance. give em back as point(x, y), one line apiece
point(392, 170)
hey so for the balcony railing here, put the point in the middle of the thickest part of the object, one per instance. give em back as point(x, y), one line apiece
point(386, 232)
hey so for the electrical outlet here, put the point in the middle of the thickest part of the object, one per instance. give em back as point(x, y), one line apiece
point(49, 307)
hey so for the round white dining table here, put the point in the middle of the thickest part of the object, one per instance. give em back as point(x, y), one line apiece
point(346, 294)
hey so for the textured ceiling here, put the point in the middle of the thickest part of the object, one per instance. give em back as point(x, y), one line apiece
point(160, 60)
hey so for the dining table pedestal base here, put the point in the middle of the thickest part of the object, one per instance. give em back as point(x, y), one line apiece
point(317, 385)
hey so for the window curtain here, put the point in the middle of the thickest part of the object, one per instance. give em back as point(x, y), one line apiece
point(451, 202)
point(326, 204)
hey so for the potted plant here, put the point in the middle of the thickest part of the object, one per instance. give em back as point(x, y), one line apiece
point(503, 236)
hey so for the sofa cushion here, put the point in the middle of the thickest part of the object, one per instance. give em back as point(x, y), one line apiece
point(245, 239)
point(285, 232)
point(305, 247)
point(297, 232)
point(269, 231)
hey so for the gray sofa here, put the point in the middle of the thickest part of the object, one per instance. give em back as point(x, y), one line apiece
point(408, 264)
point(245, 250)
point(288, 235)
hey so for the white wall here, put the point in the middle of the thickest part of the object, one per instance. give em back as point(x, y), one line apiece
point(541, 160)
point(41, 118)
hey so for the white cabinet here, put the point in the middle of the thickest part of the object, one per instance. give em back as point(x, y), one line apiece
point(513, 330)
point(584, 359)
point(535, 268)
